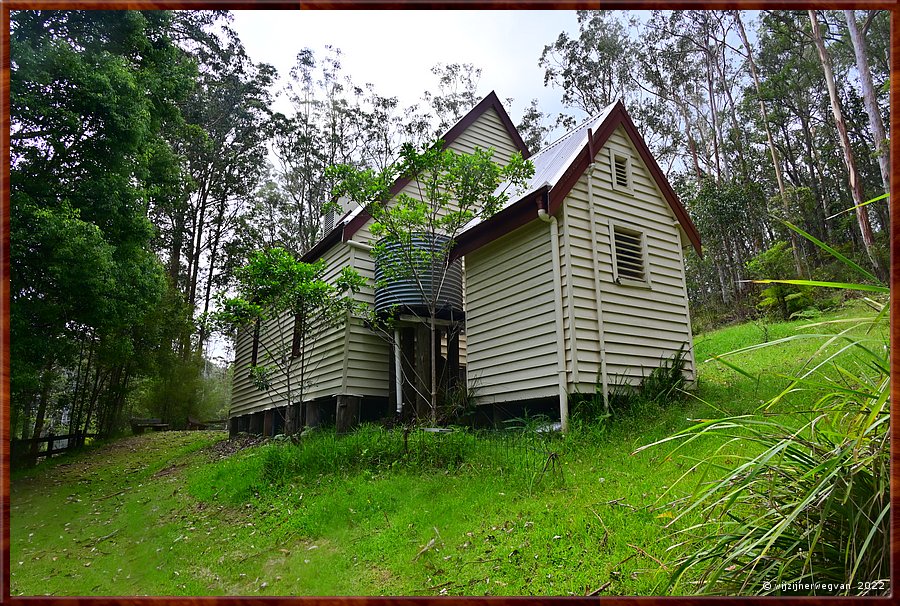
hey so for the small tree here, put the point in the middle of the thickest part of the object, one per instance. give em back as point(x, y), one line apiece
point(450, 190)
point(292, 305)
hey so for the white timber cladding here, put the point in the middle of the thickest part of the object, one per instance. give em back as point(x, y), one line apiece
point(368, 354)
point(510, 322)
point(352, 359)
point(644, 321)
point(325, 355)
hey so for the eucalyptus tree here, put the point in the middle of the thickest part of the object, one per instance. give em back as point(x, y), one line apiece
point(876, 124)
point(862, 213)
point(456, 94)
point(533, 127)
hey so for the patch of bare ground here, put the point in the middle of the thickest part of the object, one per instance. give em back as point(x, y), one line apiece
point(225, 448)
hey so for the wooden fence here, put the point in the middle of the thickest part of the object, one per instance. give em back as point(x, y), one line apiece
point(21, 450)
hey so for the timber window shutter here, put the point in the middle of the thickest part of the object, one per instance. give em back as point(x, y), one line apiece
point(629, 251)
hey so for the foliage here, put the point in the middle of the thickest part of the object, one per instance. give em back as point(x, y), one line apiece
point(92, 94)
point(666, 382)
point(806, 508)
point(785, 299)
point(295, 303)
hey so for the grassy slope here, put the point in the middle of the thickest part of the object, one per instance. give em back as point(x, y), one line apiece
point(160, 514)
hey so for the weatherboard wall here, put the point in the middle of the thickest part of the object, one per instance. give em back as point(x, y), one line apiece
point(326, 355)
point(641, 324)
point(510, 317)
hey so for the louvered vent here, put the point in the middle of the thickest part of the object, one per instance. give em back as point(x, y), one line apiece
point(328, 223)
point(629, 254)
point(621, 168)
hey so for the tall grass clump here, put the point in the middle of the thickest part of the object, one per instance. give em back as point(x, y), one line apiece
point(799, 500)
point(514, 454)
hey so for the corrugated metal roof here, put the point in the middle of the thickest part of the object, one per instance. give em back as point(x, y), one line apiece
point(552, 161)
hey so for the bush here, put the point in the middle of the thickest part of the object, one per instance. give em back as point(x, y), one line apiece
point(785, 300)
point(667, 380)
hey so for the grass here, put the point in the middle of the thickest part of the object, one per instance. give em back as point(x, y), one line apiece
point(460, 514)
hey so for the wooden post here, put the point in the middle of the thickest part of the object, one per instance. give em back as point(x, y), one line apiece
point(313, 414)
point(453, 356)
point(347, 413)
point(423, 370)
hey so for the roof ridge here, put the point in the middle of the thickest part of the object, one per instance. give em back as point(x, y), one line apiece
point(589, 120)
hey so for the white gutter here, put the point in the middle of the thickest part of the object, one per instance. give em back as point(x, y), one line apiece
point(595, 260)
point(360, 245)
point(560, 344)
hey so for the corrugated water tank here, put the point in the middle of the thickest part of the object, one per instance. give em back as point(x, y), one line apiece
point(404, 291)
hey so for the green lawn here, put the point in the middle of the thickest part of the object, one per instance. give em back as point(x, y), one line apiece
point(171, 514)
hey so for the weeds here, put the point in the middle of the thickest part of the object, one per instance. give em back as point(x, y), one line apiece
point(806, 509)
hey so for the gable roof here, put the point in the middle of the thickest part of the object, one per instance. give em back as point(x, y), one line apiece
point(354, 220)
point(557, 168)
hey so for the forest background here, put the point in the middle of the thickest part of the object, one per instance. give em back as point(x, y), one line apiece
point(148, 162)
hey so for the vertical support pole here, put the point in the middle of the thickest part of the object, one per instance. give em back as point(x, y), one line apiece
point(347, 413)
point(453, 355)
point(398, 372)
point(598, 290)
point(560, 342)
point(423, 370)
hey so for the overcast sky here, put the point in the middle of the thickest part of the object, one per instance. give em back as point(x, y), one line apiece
point(395, 50)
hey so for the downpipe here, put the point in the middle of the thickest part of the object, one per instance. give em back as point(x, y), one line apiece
point(544, 216)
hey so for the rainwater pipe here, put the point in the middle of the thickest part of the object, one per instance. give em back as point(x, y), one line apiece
point(398, 372)
point(595, 259)
point(546, 217)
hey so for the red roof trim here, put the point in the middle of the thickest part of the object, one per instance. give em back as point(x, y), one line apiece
point(491, 101)
point(510, 218)
point(496, 227)
point(322, 246)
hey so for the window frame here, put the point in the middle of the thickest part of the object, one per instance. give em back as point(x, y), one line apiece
point(633, 231)
point(616, 153)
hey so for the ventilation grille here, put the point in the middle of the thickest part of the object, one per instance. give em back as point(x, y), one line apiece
point(328, 223)
point(621, 168)
point(629, 254)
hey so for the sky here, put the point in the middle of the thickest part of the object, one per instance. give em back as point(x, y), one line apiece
point(395, 50)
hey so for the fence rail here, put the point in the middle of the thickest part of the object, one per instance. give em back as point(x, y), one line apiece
point(22, 449)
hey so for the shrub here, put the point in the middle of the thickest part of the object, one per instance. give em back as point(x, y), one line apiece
point(667, 380)
point(782, 299)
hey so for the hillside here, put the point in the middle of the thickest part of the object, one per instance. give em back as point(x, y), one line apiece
point(190, 513)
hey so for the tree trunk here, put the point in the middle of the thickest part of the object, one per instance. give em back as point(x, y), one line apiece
point(692, 145)
point(716, 135)
point(862, 216)
point(868, 89)
point(434, 354)
point(46, 385)
point(776, 163)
